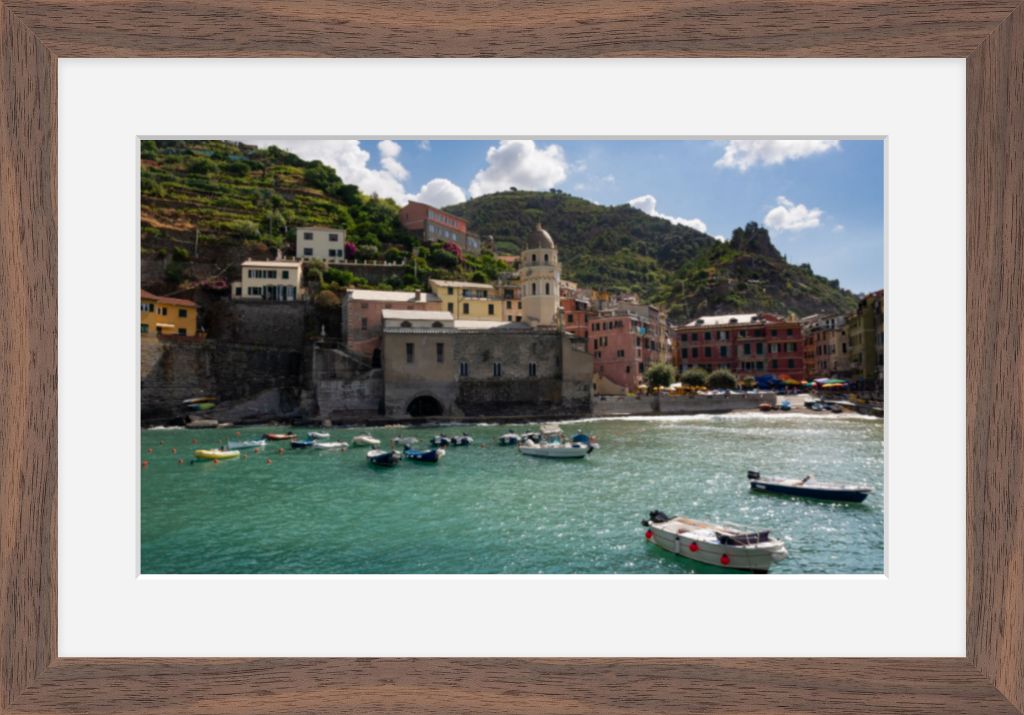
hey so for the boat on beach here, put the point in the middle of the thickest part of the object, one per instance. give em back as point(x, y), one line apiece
point(365, 440)
point(808, 487)
point(726, 545)
point(246, 443)
point(384, 457)
point(279, 436)
point(216, 454)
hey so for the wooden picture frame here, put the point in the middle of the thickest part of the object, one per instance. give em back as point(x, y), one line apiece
point(35, 33)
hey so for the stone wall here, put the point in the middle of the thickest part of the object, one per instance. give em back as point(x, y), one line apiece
point(614, 406)
point(352, 399)
point(267, 323)
point(173, 371)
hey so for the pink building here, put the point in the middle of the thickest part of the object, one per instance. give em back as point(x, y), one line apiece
point(625, 342)
point(361, 322)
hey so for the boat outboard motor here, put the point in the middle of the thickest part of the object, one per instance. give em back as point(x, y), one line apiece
point(751, 474)
point(656, 517)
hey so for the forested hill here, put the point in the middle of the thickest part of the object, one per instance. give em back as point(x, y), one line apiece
point(620, 248)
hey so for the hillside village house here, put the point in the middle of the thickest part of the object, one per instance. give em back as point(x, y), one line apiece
point(362, 321)
point(269, 280)
point(469, 301)
point(866, 330)
point(162, 315)
point(320, 242)
point(437, 226)
point(746, 344)
point(626, 339)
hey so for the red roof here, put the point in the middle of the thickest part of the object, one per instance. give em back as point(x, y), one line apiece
point(170, 301)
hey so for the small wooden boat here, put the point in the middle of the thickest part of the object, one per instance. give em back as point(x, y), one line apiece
point(246, 443)
point(432, 456)
point(808, 487)
point(365, 440)
point(318, 435)
point(765, 407)
point(725, 545)
point(202, 424)
point(384, 457)
point(277, 436)
point(302, 443)
point(330, 445)
point(216, 454)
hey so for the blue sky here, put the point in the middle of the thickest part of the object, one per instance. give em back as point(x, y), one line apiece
point(822, 200)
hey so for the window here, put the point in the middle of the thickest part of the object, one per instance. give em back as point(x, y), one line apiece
point(682, 338)
point(496, 369)
point(707, 335)
point(463, 369)
point(332, 237)
point(162, 311)
point(547, 289)
point(406, 324)
point(181, 331)
point(627, 369)
point(465, 308)
point(440, 352)
point(707, 352)
point(508, 305)
point(545, 258)
point(182, 313)
point(791, 363)
point(531, 369)
point(693, 353)
point(363, 323)
point(145, 328)
point(284, 274)
point(450, 290)
point(307, 251)
point(760, 348)
point(620, 354)
point(534, 257)
point(332, 253)
point(238, 290)
point(533, 288)
point(568, 318)
point(490, 308)
point(723, 351)
point(451, 308)
point(307, 236)
point(410, 352)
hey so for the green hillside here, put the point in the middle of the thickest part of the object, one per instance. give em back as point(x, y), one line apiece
point(207, 205)
point(620, 248)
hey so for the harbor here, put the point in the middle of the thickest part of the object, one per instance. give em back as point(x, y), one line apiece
point(488, 509)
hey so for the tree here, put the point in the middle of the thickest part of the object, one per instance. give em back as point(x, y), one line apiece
point(694, 377)
point(327, 299)
point(722, 379)
point(660, 375)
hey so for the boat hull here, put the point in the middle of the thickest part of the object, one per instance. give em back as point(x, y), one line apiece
point(215, 454)
point(740, 558)
point(555, 452)
point(378, 458)
point(425, 456)
point(811, 492)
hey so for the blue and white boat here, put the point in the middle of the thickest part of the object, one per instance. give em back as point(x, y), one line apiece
point(384, 457)
point(808, 487)
point(302, 443)
point(424, 455)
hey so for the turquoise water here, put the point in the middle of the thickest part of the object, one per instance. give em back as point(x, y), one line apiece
point(487, 509)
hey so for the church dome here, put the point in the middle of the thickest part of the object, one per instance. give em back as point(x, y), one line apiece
point(540, 239)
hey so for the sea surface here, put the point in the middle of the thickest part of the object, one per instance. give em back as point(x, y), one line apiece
point(486, 509)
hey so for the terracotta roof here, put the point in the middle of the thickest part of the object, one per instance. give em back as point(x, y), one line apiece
point(165, 299)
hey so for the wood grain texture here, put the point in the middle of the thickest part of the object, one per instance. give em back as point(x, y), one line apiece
point(521, 28)
point(34, 33)
point(995, 309)
point(28, 357)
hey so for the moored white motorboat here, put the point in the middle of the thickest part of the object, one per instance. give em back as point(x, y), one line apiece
point(508, 439)
point(554, 450)
point(246, 443)
point(384, 457)
point(725, 545)
point(366, 440)
point(330, 445)
point(318, 435)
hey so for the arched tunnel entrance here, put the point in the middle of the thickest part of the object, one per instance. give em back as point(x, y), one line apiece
point(425, 406)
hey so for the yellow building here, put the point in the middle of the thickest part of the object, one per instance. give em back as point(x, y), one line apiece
point(168, 316)
point(469, 301)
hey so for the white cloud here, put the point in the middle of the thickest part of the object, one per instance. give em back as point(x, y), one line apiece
point(648, 204)
point(425, 144)
point(389, 151)
point(719, 237)
point(439, 192)
point(520, 163)
point(788, 216)
point(351, 162)
point(744, 153)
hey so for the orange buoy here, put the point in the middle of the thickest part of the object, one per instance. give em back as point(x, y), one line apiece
point(149, 450)
point(268, 460)
point(181, 461)
point(237, 434)
point(145, 463)
point(280, 450)
point(174, 450)
point(216, 461)
point(256, 451)
point(193, 441)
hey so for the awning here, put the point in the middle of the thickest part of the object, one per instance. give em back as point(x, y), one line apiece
point(167, 325)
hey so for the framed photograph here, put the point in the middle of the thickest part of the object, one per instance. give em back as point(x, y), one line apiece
point(565, 374)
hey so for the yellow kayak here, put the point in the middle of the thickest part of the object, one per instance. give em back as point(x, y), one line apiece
point(216, 453)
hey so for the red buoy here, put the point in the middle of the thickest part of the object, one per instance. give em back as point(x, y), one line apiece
point(268, 461)
point(693, 546)
point(649, 534)
point(149, 450)
point(216, 461)
point(145, 463)
point(181, 461)
point(725, 559)
point(280, 450)
point(174, 450)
